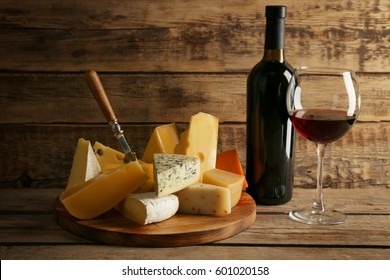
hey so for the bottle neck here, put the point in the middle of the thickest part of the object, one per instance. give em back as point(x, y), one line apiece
point(274, 40)
point(276, 55)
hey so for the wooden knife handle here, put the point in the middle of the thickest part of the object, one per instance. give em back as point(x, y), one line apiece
point(97, 89)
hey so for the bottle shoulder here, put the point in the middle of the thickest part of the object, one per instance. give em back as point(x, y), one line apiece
point(267, 66)
point(271, 69)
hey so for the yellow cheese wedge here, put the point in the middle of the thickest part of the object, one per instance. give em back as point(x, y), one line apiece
point(204, 199)
point(222, 178)
point(107, 157)
point(163, 140)
point(200, 140)
point(148, 186)
point(147, 208)
point(85, 166)
point(98, 195)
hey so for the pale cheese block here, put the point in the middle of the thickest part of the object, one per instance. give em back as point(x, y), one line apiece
point(98, 195)
point(85, 165)
point(163, 140)
point(174, 172)
point(234, 182)
point(108, 157)
point(147, 208)
point(204, 199)
point(200, 140)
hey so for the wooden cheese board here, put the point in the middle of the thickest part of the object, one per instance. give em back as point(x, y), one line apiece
point(180, 230)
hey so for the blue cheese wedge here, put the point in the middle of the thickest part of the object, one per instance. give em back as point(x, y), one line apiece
point(147, 208)
point(174, 172)
point(204, 199)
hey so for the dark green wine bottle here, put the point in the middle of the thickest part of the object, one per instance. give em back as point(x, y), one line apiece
point(270, 134)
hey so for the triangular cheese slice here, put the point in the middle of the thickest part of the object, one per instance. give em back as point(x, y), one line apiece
point(85, 165)
point(163, 140)
point(174, 172)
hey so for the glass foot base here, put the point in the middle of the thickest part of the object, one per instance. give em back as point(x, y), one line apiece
point(310, 216)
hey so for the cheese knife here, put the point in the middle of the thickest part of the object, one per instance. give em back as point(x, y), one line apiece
point(97, 89)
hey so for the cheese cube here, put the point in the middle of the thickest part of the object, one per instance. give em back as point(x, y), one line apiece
point(107, 157)
point(200, 140)
point(174, 172)
point(204, 199)
point(85, 166)
point(163, 140)
point(98, 195)
point(147, 208)
point(222, 178)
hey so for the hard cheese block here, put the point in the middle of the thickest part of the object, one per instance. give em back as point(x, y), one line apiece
point(229, 161)
point(204, 199)
point(148, 186)
point(107, 157)
point(174, 172)
point(163, 140)
point(98, 195)
point(85, 166)
point(200, 140)
point(229, 180)
point(147, 208)
point(110, 158)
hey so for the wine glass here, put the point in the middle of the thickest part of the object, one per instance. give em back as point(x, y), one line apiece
point(323, 104)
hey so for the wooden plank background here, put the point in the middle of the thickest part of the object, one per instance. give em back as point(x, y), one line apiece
point(162, 61)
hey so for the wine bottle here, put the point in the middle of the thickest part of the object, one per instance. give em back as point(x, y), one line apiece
point(270, 134)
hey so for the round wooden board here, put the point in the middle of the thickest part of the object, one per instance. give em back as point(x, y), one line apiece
point(180, 230)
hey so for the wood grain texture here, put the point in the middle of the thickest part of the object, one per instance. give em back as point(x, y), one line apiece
point(106, 252)
point(167, 60)
point(188, 36)
point(370, 201)
point(169, 97)
point(361, 159)
point(364, 227)
point(28, 231)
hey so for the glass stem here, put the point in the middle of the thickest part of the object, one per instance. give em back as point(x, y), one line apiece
point(318, 204)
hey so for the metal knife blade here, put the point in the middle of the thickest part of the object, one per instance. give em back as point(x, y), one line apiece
point(97, 89)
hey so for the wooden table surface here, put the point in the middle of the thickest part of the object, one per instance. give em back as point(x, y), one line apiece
point(29, 231)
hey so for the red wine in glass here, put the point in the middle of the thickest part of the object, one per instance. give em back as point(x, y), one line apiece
point(322, 125)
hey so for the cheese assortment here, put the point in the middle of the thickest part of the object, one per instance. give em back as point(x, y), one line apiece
point(174, 172)
point(204, 199)
point(229, 180)
point(85, 165)
point(98, 195)
point(176, 175)
point(147, 208)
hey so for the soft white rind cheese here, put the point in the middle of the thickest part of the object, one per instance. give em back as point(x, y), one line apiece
point(204, 199)
point(147, 208)
point(174, 172)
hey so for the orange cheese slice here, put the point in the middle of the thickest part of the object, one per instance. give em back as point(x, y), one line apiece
point(98, 195)
point(229, 161)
